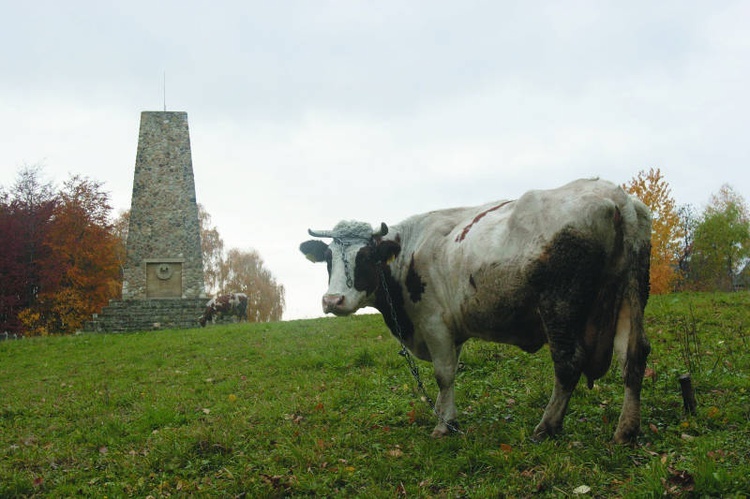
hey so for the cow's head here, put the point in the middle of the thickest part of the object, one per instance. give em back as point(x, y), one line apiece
point(208, 313)
point(355, 260)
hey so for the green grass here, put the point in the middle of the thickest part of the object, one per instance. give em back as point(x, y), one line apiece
point(327, 407)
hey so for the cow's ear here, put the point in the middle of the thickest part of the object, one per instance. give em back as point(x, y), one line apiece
point(314, 250)
point(387, 250)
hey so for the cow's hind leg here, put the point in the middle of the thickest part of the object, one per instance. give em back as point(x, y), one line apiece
point(560, 321)
point(567, 373)
point(567, 276)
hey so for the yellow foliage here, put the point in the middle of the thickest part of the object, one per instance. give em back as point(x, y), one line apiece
point(60, 313)
point(651, 188)
point(34, 323)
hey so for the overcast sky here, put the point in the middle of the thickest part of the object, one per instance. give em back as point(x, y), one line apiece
point(303, 113)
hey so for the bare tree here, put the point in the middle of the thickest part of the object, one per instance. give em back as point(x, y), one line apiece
point(244, 271)
point(212, 247)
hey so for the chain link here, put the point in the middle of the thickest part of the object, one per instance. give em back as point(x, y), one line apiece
point(345, 246)
point(413, 367)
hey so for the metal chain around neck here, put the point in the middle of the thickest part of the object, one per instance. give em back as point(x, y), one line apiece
point(344, 244)
point(413, 367)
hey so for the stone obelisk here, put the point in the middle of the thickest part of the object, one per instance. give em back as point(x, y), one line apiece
point(163, 284)
point(164, 258)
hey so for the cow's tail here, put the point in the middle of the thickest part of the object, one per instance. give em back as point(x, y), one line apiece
point(638, 288)
point(622, 295)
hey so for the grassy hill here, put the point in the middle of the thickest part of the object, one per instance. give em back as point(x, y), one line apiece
point(328, 407)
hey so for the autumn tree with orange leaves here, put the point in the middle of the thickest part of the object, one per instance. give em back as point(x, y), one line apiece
point(65, 265)
point(651, 188)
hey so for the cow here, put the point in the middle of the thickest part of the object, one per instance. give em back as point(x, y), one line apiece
point(568, 267)
point(232, 304)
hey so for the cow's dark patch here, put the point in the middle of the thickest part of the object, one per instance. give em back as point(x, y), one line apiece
point(568, 279)
point(369, 258)
point(373, 275)
point(477, 218)
point(414, 283)
point(503, 308)
point(389, 300)
point(365, 270)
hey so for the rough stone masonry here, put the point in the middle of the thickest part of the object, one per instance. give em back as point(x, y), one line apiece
point(163, 284)
point(164, 257)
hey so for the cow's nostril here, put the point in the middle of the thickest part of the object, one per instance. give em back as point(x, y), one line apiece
point(331, 302)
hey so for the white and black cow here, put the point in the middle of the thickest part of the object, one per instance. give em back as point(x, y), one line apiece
point(568, 267)
point(232, 304)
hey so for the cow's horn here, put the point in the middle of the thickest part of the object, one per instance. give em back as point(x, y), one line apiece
point(383, 230)
point(320, 233)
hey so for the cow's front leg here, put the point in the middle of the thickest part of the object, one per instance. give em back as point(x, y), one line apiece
point(445, 364)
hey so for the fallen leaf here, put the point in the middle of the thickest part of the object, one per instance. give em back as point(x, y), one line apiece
point(412, 416)
point(294, 418)
point(582, 489)
point(681, 478)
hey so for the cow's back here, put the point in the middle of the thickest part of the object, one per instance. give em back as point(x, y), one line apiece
point(479, 264)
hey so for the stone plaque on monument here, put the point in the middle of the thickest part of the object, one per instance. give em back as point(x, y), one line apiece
point(163, 279)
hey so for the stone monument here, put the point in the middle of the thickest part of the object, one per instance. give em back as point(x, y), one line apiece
point(163, 284)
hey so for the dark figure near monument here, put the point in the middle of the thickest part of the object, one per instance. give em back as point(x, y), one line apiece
point(229, 305)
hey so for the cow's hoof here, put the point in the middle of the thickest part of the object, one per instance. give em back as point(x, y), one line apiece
point(544, 431)
point(439, 433)
point(443, 429)
point(626, 436)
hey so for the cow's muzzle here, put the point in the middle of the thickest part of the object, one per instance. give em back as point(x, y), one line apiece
point(333, 304)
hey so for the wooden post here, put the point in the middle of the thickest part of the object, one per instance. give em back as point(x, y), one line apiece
point(688, 394)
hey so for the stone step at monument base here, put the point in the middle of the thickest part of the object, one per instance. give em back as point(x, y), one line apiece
point(147, 315)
